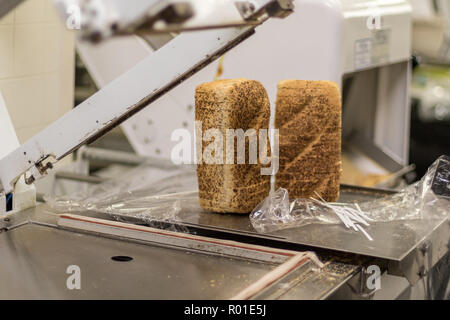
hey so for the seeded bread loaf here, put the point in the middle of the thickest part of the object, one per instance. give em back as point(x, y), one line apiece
point(231, 104)
point(308, 116)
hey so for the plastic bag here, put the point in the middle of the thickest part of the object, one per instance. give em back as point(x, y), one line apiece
point(425, 199)
point(137, 193)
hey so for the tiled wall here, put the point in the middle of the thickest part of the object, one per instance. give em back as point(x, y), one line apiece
point(36, 66)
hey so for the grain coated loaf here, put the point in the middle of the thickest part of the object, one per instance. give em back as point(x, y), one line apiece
point(308, 116)
point(231, 104)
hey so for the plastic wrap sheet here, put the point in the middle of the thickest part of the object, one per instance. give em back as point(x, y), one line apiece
point(425, 199)
point(136, 193)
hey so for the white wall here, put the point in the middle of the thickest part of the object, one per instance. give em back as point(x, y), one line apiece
point(36, 66)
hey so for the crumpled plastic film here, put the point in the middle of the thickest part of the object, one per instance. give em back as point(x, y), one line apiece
point(417, 201)
point(425, 199)
point(277, 212)
point(137, 194)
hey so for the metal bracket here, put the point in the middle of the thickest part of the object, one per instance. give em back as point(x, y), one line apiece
point(5, 223)
point(246, 9)
point(280, 8)
point(39, 170)
point(419, 262)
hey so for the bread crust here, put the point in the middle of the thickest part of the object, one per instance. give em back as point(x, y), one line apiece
point(231, 104)
point(308, 116)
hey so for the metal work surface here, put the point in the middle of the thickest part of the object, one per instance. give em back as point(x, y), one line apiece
point(35, 260)
point(405, 248)
point(36, 253)
point(392, 241)
point(398, 243)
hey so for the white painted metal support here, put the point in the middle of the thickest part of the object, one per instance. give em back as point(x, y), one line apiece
point(24, 195)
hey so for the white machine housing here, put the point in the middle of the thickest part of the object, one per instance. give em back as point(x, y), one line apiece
point(365, 46)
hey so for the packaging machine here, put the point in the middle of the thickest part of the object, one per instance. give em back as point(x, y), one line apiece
point(213, 256)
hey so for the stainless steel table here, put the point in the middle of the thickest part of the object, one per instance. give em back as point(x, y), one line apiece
point(36, 252)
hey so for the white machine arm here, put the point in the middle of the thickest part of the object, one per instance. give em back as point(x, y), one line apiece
point(125, 96)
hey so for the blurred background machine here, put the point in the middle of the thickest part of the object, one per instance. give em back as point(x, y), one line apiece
point(431, 30)
point(365, 46)
point(430, 114)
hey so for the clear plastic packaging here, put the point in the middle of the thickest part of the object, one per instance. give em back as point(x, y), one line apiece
point(137, 193)
point(425, 199)
point(151, 196)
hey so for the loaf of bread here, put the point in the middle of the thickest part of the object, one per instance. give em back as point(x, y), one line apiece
point(231, 104)
point(308, 116)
